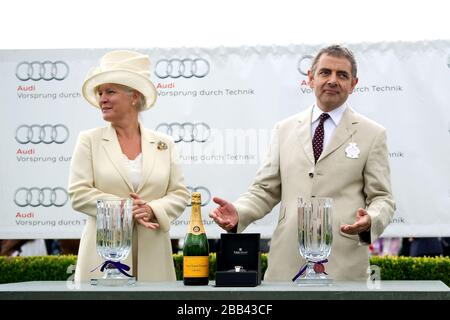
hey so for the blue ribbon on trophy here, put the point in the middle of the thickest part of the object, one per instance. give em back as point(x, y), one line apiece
point(318, 268)
point(116, 264)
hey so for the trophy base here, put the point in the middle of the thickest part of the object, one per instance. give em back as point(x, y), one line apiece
point(314, 282)
point(113, 282)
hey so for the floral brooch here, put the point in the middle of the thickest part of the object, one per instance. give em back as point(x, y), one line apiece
point(161, 145)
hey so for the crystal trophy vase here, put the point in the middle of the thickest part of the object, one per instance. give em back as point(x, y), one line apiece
point(114, 237)
point(315, 236)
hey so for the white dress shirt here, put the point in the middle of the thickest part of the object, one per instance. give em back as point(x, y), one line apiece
point(330, 124)
point(134, 168)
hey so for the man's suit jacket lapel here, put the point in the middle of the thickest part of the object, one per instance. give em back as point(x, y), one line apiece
point(342, 133)
point(303, 131)
point(148, 143)
point(112, 148)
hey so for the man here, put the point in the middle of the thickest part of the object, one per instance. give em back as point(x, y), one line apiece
point(328, 150)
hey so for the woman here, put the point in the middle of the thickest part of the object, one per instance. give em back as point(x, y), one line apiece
point(124, 159)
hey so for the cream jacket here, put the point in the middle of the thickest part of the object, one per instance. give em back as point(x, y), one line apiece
point(97, 172)
point(289, 171)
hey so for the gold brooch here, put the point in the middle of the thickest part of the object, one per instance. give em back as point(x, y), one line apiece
point(161, 145)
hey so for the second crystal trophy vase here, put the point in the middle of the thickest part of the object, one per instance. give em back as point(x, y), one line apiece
point(315, 236)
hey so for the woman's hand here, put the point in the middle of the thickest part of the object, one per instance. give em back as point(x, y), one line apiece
point(143, 213)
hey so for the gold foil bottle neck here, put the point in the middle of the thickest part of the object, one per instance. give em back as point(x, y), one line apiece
point(196, 198)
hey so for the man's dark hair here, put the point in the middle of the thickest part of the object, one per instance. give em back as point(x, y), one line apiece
point(336, 51)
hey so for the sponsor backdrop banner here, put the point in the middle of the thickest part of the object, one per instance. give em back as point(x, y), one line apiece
point(220, 106)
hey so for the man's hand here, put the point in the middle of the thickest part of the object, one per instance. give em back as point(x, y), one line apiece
point(225, 215)
point(363, 223)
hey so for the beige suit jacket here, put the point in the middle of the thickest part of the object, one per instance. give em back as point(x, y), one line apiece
point(97, 172)
point(289, 171)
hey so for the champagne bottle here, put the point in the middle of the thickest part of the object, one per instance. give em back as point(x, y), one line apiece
point(196, 249)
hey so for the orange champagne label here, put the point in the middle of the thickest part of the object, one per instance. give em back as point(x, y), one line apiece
point(195, 267)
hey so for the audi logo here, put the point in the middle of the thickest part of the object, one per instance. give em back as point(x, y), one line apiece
point(46, 133)
point(46, 70)
point(186, 131)
point(45, 197)
point(186, 68)
point(204, 192)
point(304, 64)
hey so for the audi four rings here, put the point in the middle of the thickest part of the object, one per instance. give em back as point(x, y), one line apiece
point(45, 133)
point(45, 70)
point(186, 131)
point(304, 63)
point(186, 68)
point(205, 194)
point(45, 197)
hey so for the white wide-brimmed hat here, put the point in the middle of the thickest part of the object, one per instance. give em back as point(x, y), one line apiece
point(128, 68)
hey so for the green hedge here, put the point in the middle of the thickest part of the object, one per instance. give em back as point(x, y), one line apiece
point(17, 269)
point(407, 268)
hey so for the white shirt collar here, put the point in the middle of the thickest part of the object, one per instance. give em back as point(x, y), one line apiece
point(335, 115)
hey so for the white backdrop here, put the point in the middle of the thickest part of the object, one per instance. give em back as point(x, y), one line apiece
point(233, 97)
